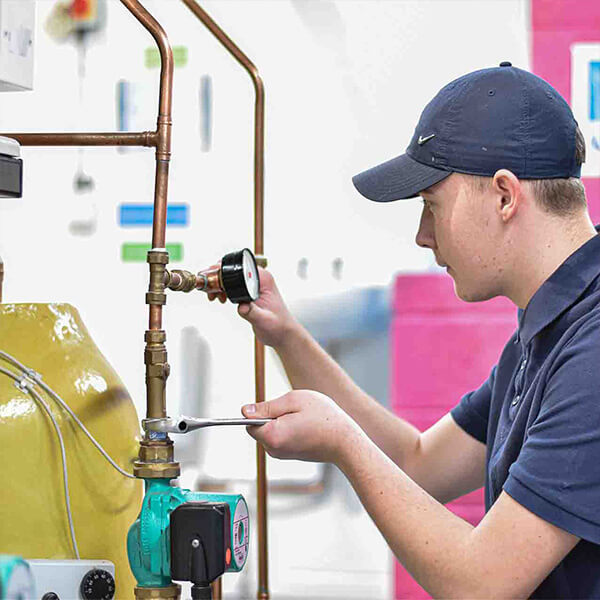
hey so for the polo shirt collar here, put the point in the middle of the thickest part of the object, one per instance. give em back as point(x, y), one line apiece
point(561, 289)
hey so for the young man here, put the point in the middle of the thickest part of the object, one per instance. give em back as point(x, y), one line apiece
point(496, 157)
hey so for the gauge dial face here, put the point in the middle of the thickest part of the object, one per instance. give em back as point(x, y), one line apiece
point(250, 275)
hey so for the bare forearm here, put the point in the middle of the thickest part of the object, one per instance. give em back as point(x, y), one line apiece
point(435, 546)
point(308, 366)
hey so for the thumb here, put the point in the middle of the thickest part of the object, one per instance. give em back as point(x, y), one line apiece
point(244, 310)
point(252, 313)
point(269, 410)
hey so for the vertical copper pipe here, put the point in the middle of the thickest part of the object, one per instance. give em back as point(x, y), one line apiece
point(259, 351)
point(261, 480)
point(163, 145)
point(217, 589)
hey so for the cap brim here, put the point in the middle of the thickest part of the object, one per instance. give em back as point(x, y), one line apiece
point(397, 179)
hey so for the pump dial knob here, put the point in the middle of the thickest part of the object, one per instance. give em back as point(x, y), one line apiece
point(98, 584)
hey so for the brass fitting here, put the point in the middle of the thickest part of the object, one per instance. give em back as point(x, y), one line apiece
point(155, 460)
point(157, 259)
point(155, 336)
point(172, 592)
point(157, 371)
point(261, 261)
point(181, 281)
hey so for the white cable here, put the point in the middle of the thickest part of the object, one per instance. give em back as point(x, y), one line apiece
point(25, 384)
point(37, 378)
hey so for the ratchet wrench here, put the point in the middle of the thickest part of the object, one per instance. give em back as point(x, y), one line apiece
point(184, 424)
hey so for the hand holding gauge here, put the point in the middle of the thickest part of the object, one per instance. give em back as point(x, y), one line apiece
point(236, 278)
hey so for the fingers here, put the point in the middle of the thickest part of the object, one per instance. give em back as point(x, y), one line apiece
point(221, 296)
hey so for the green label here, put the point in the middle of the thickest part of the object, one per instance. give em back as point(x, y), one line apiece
point(134, 252)
point(152, 57)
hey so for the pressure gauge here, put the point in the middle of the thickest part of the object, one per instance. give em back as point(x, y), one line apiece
point(239, 275)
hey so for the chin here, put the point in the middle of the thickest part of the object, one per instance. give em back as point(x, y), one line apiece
point(471, 295)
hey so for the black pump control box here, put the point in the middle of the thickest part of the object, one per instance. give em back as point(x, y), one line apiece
point(200, 538)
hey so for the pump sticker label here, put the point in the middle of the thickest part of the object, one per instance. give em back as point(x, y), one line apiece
point(241, 531)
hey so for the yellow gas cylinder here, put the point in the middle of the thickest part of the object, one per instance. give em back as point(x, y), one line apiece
point(52, 340)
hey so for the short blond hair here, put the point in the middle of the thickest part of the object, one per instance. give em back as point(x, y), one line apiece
point(561, 197)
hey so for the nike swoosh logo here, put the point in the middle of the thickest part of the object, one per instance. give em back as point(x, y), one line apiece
point(422, 139)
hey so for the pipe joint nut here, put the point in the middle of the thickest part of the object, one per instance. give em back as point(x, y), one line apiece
point(158, 256)
point(155, 336)
point(156, 451)
point(171, 592)
point(155, 356)
point(156, 298)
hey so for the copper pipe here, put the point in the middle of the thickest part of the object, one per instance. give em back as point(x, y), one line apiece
point(261, 480)
point(161, 185)
point(144, 138)
point(217, 589)
point(163, 146)
point(259, 116)
point(259, 351)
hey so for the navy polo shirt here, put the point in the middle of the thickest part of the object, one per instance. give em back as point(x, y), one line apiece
point(539, 415)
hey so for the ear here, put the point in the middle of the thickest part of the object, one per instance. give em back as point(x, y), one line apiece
point(509, 191)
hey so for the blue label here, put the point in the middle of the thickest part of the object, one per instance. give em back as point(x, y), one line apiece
point(140, 215)
point(595, 90)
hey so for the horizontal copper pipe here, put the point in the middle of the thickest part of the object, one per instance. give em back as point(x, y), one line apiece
point(144, 138)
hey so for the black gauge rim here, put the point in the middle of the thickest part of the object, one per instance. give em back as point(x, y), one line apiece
point(232, 274)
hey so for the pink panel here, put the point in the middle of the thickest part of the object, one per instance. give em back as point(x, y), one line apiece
point(441, 348)
point(556, 24)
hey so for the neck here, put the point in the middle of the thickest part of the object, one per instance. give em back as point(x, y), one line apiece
point(546, 248)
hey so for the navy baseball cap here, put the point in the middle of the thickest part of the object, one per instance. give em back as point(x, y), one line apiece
point(498, 118)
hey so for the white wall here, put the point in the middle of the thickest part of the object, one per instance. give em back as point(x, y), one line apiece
point(345, 82)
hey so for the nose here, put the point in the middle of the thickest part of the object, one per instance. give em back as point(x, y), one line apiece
point(426, 233)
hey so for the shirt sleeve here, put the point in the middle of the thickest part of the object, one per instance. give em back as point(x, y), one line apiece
point(472, 412)
point(556, 475)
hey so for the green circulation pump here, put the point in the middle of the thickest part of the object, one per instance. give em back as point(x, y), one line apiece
point(187, 536)
point(16, 580)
